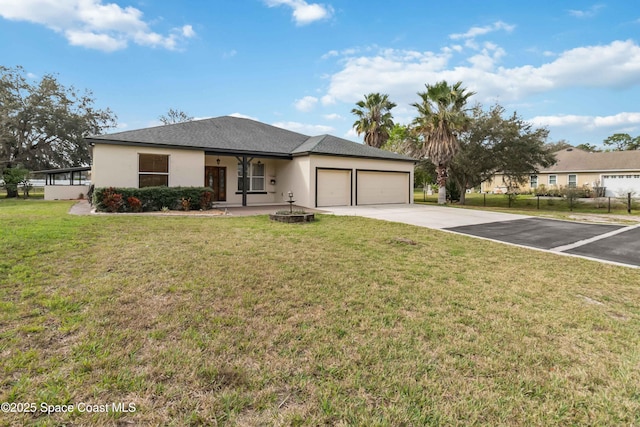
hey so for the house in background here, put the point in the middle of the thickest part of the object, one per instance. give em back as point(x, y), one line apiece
point(617, 171)
point(247, 162)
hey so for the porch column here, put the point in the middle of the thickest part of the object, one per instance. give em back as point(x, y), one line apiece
point(245, 164)
point(244, 180)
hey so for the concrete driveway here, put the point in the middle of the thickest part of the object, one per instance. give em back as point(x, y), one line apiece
point(602, 242)
point(438, 217)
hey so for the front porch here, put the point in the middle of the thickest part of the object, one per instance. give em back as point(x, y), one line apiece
point(245, 180)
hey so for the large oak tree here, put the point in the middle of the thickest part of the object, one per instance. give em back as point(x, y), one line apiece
point(43, 124)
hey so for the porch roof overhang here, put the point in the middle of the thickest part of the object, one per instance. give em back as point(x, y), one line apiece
point(63, 170)
point(241, 153)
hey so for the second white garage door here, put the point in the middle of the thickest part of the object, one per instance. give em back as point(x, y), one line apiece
point(333, 187)
point(381, 187)
point(620, 185)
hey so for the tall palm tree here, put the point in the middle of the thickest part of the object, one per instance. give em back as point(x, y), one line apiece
point(441, 118)
point(374, 119)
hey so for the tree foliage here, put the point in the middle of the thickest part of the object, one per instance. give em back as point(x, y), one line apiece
point(174, 116)
point(588, 147)
point(622, 142)
point(441, 118)
point(374, 118)
point(403, 140)
point(494, 143)
point(43, 124)
point(476, 161)
point(558, 145)
point(14, 177)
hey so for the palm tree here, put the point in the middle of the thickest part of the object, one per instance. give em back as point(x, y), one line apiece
point(374, 119)
point(441, 117)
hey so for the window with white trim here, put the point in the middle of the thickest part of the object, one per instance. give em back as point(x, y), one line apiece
point(553, 179)
point(573, 181)
point(255, 177)
point(153, 170)
point(533, 179)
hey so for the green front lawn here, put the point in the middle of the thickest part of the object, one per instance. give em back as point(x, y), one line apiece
point(205, 321)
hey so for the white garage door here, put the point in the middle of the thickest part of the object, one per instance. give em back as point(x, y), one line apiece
point(620, 185)
point(382, 187)
point(333, 187)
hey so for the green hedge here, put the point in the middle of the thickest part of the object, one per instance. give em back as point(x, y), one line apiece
point(152, 198)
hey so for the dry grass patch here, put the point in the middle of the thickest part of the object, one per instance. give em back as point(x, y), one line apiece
point(244, 321)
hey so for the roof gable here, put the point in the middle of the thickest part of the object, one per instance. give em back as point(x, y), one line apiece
point(331, 145)
point(221, 133)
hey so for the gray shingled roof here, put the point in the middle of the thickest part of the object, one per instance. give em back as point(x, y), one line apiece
point(331, 145)
point(577, 160)
point(238, 135)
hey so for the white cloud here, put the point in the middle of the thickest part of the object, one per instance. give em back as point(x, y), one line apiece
point(306, 104)
point(402, 73)
point(303, 128)
point(330, 54)
point(474, 32)
point(243, 116)
point(230, 54)
point(328, 100)
point(352, 135)
point(590, 122)
point(93, 24)
point(188, 31)
point(94, 41)
point(333, 116)
point(588, 13)
point(303, 12)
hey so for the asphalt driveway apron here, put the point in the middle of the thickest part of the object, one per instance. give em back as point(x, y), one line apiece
point(614, 243)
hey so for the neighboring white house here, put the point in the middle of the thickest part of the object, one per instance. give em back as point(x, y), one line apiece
point(247, 162)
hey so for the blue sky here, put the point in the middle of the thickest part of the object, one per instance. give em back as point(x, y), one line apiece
point(572, 66)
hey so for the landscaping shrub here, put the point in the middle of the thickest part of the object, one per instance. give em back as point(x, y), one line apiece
point(135, 205)
point(205, 200)
point(153, 198)
point(111, 200)
point(453, 192)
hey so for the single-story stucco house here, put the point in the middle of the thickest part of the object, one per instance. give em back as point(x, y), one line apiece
point(617, 171)
point(247, 162)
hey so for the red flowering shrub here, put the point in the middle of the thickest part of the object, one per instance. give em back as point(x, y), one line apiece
point(135, 205)
point(111, 200)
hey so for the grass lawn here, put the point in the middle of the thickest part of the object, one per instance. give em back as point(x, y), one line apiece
point(243, 321)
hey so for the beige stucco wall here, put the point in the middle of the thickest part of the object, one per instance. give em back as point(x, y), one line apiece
point(294, 175)
point(298, 176)
point(65, 192)
point(354, 164)
point(117, 166)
